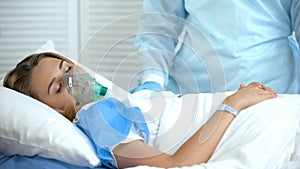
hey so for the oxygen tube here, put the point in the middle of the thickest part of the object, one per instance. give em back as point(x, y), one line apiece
point(83, 88)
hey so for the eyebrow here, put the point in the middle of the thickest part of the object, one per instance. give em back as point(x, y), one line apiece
point(60, 64)
point(53, 80)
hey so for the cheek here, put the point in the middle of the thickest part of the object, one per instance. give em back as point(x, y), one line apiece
point(67, 99)
point(62, 100)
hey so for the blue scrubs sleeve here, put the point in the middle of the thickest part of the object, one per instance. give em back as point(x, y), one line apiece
point(159, 27)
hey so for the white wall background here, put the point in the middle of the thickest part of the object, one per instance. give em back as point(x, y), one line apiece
point(98, 33)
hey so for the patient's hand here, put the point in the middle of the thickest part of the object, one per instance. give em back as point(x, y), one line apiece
point(249, 95)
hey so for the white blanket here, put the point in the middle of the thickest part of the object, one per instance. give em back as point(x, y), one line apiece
point(261, 137)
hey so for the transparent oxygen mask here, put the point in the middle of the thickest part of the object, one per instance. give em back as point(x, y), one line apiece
point(83, 88)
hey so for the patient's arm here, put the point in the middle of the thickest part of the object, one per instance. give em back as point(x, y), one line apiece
point(196, 149)
point(192, 152)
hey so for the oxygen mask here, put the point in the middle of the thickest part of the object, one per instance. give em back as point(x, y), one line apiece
point(83, 88)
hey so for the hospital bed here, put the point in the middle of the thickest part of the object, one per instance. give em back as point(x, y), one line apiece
point(266, 135)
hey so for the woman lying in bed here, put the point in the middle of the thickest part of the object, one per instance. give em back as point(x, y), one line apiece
point(41, 77)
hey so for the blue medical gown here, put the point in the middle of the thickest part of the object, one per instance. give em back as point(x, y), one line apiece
point(221, 44)
point(107, 123)
point(296, 18)
point(295, 13)
point(35, 162)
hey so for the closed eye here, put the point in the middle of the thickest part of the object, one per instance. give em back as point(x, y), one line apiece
point(59, 88)
point(61, 84)
point(69, 68)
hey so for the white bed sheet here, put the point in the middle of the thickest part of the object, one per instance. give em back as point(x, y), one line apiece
point(262, 136)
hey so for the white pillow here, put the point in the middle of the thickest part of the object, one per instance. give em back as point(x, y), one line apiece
point(29, 127)
point(47, 47)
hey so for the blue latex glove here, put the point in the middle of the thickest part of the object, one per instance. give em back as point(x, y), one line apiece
point(148, 86)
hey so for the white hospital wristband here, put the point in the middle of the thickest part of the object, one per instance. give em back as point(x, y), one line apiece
point(225, 107)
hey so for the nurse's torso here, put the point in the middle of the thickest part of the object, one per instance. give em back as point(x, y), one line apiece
point(236, 42)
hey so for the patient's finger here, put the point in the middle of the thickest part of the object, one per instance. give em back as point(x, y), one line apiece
point(260, 86)
point(268, 93)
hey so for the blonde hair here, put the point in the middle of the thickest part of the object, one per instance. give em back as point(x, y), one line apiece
point(19, 78)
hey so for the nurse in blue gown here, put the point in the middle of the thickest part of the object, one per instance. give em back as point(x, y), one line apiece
point(190, 46)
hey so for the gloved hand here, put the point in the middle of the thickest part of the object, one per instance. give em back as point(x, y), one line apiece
point(148, 86)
